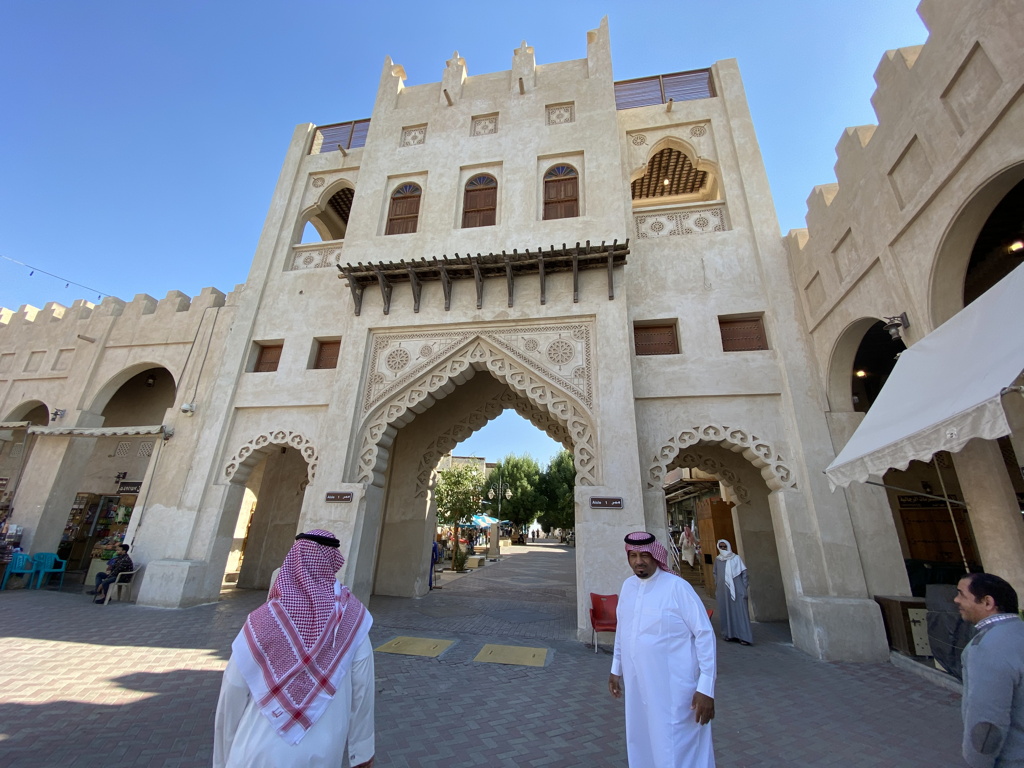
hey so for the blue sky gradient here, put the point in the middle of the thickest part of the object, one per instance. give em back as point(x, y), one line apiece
point(140, 142)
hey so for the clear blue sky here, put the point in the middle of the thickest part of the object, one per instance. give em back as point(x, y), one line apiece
point(140, 142)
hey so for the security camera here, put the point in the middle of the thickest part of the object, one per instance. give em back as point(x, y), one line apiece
point(188, 408)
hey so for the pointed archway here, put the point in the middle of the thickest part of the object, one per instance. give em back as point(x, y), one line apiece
point(752, 469)
point(547, 366)
point(423, 396)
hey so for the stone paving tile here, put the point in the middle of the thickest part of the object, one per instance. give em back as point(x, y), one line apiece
point(89, 686)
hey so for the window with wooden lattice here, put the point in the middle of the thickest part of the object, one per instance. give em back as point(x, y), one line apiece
point(561, 193)
point(267, 358)
point(327, 354)
point(659, 339)
point(743, 335)
point(480, 202)
point(404, 210)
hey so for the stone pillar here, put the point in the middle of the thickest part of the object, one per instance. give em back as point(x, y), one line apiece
point(874, 527)
point(601, 565)
point(992, 509)
point(830, 615)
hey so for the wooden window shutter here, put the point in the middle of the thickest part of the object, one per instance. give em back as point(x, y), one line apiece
point(561, 199)
point(655, 340)
point(743, 335)
point(268, 358)
point(327, 354)
point(480, 204)
point(404, 210)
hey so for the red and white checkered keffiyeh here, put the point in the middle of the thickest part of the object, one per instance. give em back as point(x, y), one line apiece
point(295, 649)
point(641, 541)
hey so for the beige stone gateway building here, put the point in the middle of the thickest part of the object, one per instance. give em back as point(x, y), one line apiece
point(603, 257)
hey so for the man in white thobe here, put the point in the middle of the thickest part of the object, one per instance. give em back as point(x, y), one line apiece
point(664, 662)
point(298, 689)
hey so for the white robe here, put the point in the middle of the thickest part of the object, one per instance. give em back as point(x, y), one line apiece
point(664, 650)
point(244, 738)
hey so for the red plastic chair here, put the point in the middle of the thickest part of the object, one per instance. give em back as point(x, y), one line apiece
point(602, 614)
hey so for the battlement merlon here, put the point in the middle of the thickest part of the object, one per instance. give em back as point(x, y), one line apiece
point(81, 310)
point(523, 74)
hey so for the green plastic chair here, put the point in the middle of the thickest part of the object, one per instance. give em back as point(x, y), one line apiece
point(20, 565)
point(47, 564)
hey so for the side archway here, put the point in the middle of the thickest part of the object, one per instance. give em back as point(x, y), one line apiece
point(949, 270)
point(249, 455)
point(774, 469)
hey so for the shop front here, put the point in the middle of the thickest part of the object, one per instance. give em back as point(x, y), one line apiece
point(96, 525)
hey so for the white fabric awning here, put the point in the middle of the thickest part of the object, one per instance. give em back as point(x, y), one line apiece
point(945, 390)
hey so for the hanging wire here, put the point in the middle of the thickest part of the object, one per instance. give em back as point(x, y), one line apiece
point(33, 270)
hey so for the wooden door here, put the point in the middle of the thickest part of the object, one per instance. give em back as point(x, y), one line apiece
point(714, 522)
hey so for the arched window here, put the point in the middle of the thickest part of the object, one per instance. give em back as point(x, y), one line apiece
point(668, 174)
point(480, 203)
point(404, 210)
point(561, 193)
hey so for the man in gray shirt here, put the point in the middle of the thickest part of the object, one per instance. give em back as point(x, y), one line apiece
point(993, 669)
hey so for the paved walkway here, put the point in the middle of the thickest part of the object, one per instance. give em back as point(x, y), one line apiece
point(83, 685)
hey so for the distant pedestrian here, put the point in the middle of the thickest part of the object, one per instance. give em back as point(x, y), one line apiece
point(664, 661)
point(733, 610)
point(993, 673)
point(118, 564)
point(687, 546)
point(298, 688)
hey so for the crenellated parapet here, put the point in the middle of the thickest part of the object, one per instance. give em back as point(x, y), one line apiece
point(142, 321)
point(936, 105)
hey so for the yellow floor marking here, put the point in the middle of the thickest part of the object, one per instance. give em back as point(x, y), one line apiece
point(512, 654)
point(416, 646)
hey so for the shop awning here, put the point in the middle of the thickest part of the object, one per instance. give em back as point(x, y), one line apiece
point(159, 429)
point(945, 390)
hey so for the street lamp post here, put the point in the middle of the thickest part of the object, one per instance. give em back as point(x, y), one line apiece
point(499, 489)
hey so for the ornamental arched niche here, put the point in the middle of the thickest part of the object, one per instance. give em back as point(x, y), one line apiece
point(329, 214)
point(695, 458)
point(774, 469)
point(252, 453)
point(549, 366)
point(690, 177)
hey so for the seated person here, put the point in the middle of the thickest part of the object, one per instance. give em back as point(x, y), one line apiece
point(117, 564)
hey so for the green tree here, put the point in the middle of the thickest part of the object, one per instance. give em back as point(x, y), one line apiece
point(558, 487)
point(520, 475)
point(457, 496)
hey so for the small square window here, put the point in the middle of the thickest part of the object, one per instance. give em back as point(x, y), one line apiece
point(327, 354)
point(743, 335)
point(656, 339)
point(268, 357)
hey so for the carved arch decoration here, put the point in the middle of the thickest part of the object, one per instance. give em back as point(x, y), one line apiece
point(643, 154)
point(478, 419)
point(299, 442)
point(758, 452)
point(547, 366)
point(714, 467)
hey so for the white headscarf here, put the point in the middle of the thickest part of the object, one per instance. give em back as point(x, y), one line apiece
point(734, 566)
